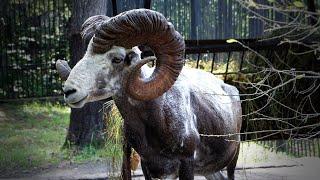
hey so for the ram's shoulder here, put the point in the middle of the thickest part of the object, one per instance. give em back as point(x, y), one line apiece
point(199, 80)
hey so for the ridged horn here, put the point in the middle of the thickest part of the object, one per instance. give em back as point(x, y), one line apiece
point(150, 28)
point(90, 26)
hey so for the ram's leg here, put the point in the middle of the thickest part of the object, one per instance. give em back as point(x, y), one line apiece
point(126, 169)
point(145, 171)
point(186, 169)
point(216, 176)
point(232, 165)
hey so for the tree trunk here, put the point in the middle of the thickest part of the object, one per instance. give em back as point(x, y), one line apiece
point(86, 124)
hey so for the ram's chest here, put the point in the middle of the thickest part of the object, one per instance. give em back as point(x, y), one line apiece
point(167, 140)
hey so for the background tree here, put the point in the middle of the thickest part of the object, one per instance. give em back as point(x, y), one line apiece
point(86, 124)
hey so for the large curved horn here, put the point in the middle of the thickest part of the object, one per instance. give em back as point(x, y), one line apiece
point(145, 27)
point(90, 26)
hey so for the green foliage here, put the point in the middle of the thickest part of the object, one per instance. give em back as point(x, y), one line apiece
point(220, 65)
point(32, 136)
point(232, 41)
point(298, 4)
point(114, 131)
point(252, 152)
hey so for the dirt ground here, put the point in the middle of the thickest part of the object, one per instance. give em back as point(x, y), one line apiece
point(293, 169)
point(279, 169)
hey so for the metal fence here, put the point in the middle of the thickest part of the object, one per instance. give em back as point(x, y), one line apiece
point(32, 39)
point(294, 147)
point(34, 35)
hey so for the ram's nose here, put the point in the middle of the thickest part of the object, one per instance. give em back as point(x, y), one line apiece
point(73, 95)
point(68, 90)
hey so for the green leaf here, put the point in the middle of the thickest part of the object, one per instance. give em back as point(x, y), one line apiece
point(271, 1)
point(232, 41)
point(298, 4)
point(251, 3)
point(300, 76)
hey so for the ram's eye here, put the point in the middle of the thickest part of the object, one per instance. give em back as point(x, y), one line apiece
point(116, 60)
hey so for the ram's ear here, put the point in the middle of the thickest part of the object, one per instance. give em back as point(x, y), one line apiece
point(90, 26)
point(63, 69)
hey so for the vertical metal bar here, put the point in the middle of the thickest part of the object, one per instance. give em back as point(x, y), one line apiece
point(5, 54)
point(114, 7)
point(310, 150)
point(254, 63)
point(30, 66)
point(292, 146)
point(36, 58)
point(10, 61)
point(39, 50)
point(49, 47)
point(19, 59)
point(241, 64)
point(318, 146)
point(2, 57)
point(212, 64)
point(16, 71)
point(45, 44)
point(226, 73)
point(2, 62)
point(305, 148)
point(301, 148)
point(147, 4)
point(57, 47)
point(198, 60)
point(314, 147)
point(298, 149)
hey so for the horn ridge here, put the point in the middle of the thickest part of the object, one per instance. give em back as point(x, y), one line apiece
point(150, 28)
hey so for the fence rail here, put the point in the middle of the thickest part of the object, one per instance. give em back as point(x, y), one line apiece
point(294, 147)
point(39, 79)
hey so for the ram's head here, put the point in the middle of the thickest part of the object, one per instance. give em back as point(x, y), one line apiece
point(112, 62)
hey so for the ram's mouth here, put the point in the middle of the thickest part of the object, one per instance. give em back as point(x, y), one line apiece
point(79, 103)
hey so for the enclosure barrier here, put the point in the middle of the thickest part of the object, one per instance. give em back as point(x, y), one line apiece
point(37, 77)
point(294, 147)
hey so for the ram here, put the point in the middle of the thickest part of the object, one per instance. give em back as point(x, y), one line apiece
point(166, 109)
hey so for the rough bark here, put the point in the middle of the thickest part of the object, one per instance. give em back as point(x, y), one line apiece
point(86, 124)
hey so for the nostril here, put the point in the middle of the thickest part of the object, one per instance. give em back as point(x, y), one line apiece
point(70, 91)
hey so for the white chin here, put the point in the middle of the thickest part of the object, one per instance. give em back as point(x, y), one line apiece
point(93, 97)
point(79, 104)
